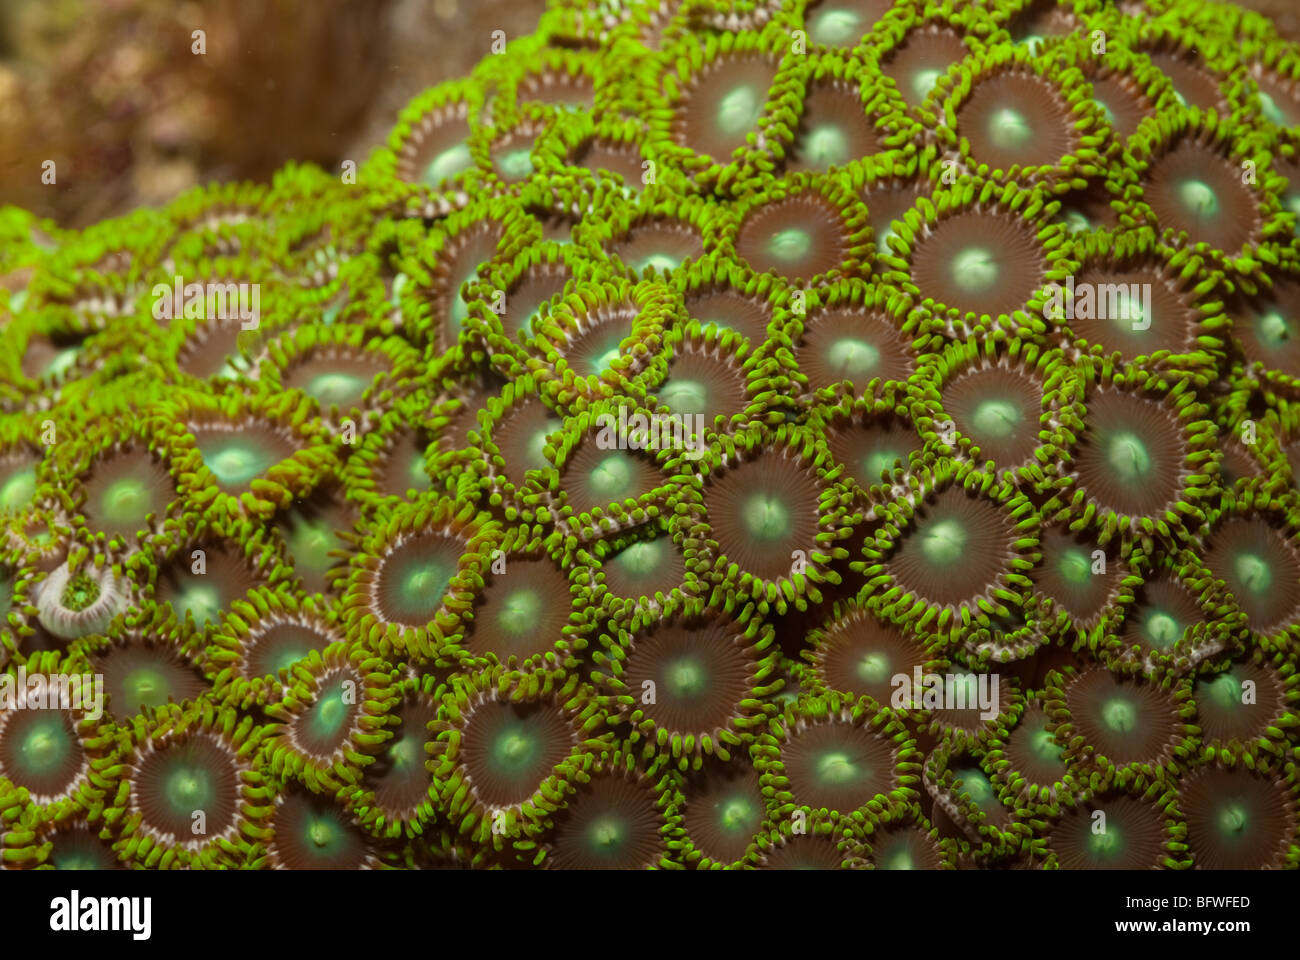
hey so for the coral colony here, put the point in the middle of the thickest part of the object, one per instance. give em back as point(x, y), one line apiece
point(756, 434)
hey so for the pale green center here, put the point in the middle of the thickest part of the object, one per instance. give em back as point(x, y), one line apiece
point(1075, 566)
point(642, 557)
point(1273, 329)
point(739, 110)
point(1044, 745)
point(1232, 818)
point(1128, 457)
point(233, 465)
point(976, 786)
point(447, 164)
point(737, 813)
point(874, 668)
point(881, 460)
point(1130, 314)
point(837, 768)
point(900, 859)
point(790, 244)
point(660, 261)
point(343, 389)
point(944, 543)
point(1199, 198)
point(1010, 130)
point(688, 397)
point(826, 146)
point(853, 357)
point(537, 445)
point(766, 517)
point(996, 418)
point(520, 612)
point(1162, 630)
point(44, 747)
point(18, 489)
point(201, 601)
point(923, 82)
point(835, 28)
point(1119, 715)
point(611, 477)
point(686, 678)
point(188, 790)
point(516, 164)
point(126, 502)
point(975, 270)
point(1106, 843)
point(1253, 572)
point(1272, 111)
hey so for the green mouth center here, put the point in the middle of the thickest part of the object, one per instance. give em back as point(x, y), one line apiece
point(612, 477)
point(641, 558)
point(515, 752)
point(686, 678)
point(232, 463)
point(789, 245)
point(852, 357)
point(944, 543)
point(826, 146)
point(146, 687)
point(838, 768)
point(201, 602)
point(878, 461)
point(189, 789)
point(447, 164)
point(739, 110)
point(329, 715)
point(1045, 747)
point(18, 489)
point(1232, 819)
point(1128, 457)
point(1198, 198)
point(685, 397)
point(1119, 715)
point(975, 270)
point(767, 518)
point(337, 389)
point(46, 746)
point(1162, 630)
point(923, 82)
point(1253, 572)
point(428, 579)
point(323, 834)
point(516, 164)
point(874, 668)
point(997, 418)
point(80, 593)
point(1106, 844)
point(835, 28)
point(1010, 130)
point(520, 612)
point(1075, 566)
point(738, 815)
point(606, 834)
point(126, 503)
point(1273, 329)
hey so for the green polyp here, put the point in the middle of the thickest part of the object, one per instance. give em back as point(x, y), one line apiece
point(1198, 197)
point(516, 164)
point(146, 687)
point(343, 389)
point(520, 611)
point(660, 261)
point(406, 754)
point(1232, 818)
point(322, 833)
point(126, 502)
point(46, 745)
point(997, 418)
point(687, 397)
point(641, 558)
point(310, 542)
point(231, 462)
point(18, 489)
point(739, 110)
point(877, 462)
point(189, 789)
point(80, 593)
point(1225, 690)
point(447, 164)
point(1119, 715)
point(923, 82)
point(606, 834)
point(835, 28)
point(738, 814)
point(1075, 566)
point(1273, 329)
point(1130, 314)
point(429, 579)
point(1075, 221)
point(201, 601)
point(686, 678)
point(873, 668)
point(1009, 130)
point(1253, 572)
point(837, 767)
point(789, 245)
point(826, 146)
point(515, 751)
point(1162, 630)
point(976, 786)
point(537, 444)
point(1272, 112)
point(611, 477)
point(766, 517)
point(853, 357)
point(975, 270)
point(329, 714)
point(900, 859)
point(1044, 746)
point(944, 543)
point(1106, 844)
point(1128, 457)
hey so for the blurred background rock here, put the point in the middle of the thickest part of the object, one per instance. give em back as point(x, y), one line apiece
point(110, 90)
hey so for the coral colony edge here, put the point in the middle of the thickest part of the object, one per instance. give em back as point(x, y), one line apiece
point(805, 434)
